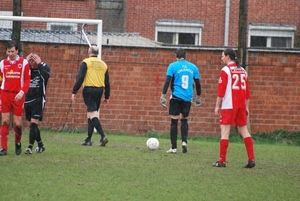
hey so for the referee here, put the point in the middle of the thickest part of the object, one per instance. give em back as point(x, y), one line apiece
point(93, 75)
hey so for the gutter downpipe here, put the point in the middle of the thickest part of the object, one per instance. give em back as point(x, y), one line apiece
point(226, 31)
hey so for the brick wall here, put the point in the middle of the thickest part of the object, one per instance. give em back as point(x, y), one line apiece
point(77, 9)
point(137, 76)
point(145, 13)
point(141, 16)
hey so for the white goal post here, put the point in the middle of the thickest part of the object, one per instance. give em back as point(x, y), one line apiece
point(84, 22)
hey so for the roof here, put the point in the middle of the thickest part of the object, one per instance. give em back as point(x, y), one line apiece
point(76, 37)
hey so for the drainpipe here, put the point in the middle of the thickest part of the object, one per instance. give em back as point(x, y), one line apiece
point(226, 31)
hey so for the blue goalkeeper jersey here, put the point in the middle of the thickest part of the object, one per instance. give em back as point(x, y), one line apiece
point(183, 74)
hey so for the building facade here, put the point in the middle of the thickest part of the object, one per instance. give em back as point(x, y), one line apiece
point(137, 73)
point(271, 23)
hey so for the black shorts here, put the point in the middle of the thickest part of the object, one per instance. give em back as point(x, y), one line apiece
point(92, 98)
point(34, 109)
point(178, 106)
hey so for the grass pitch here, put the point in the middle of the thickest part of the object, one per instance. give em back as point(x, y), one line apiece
point(125, 170)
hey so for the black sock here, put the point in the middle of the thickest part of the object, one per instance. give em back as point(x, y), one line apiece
point(184, 130)
point(90, 130)
point(38, 137)
point(32, 134)
point(97, 125)
point(173, 133)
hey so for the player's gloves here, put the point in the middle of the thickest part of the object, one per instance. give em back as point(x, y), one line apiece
point(198, 101)
point(163, 100)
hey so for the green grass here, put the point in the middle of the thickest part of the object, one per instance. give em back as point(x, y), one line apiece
point(126, 170)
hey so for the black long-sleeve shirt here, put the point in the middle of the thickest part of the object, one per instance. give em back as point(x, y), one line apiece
point(38, 81)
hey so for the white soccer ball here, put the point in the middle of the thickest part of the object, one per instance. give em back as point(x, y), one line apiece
point(152, 143)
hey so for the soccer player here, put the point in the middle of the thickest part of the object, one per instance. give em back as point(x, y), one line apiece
point(35, 100)
point(15, 73)
point(232, 106)
point(182, 75)
point(0, 97)
point(93, 75)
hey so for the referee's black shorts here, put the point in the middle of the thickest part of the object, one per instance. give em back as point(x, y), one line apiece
point(92, 97)
point(177, 106)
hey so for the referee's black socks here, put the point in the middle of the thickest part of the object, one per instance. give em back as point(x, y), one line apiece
point(90, 130)
point(97, 125)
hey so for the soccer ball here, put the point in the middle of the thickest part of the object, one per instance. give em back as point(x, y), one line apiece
point(152, 143)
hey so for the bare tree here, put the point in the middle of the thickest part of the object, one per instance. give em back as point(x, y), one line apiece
point(16, 31)
point(242, 40)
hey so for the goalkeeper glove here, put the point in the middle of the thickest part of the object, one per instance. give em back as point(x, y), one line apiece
point(163, 100)
point(198, 101)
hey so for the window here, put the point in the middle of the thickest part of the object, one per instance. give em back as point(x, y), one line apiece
point(110, 4)
point(271, 35)
point(178, 32)
point(62, 26)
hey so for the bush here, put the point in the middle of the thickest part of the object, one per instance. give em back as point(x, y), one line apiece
point(279, 136)
point(275, 137)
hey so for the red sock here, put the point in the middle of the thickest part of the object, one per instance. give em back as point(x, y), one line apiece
point(249, 148)
point(4, 136)
point(223, 150)
point(18, 133)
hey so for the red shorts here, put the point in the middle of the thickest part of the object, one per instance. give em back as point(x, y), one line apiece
point(8, 103)
point(237, 116)
point(0, 101)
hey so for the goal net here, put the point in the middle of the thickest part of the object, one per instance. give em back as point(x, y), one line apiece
point(53, 30)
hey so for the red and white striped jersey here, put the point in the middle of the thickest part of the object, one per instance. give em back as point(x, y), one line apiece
point(15, 75)
point(233, 87)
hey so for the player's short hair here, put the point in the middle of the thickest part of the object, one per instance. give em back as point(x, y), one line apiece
point(11, 44)
point(180, 53)
point(94, 50)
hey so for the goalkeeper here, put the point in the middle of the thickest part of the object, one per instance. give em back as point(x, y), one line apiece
point(181, 75)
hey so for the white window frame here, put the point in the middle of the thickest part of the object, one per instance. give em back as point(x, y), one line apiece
point(72, 25)
point(272, 30)
point(5, 23)
point(177, 26)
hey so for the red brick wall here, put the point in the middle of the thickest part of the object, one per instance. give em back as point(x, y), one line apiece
point(275, 91)
point(272, 11)
point(141, 16)
point(137, 76)
point(80, 9)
